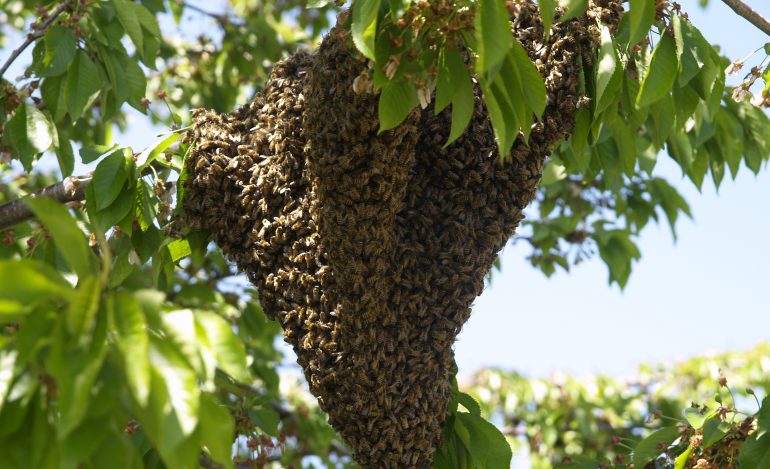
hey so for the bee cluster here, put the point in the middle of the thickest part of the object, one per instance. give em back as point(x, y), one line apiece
point(369, 247)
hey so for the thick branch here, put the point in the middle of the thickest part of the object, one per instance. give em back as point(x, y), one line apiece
point(71, 189)
point(34, 35)
point(751, 15)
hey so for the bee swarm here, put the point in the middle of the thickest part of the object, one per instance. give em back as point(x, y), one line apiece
point(370, 248)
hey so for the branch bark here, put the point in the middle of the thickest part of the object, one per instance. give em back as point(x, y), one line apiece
point(71, 189)
point(34, 35)
point(751, 15)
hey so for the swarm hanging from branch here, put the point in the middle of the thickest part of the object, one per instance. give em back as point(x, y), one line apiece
point(370, 248)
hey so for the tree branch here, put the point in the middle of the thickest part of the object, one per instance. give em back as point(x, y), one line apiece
point(751, 15)
point(71, 189)
point(34, 35)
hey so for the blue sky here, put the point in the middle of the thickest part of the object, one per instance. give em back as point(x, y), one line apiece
point(708, 292)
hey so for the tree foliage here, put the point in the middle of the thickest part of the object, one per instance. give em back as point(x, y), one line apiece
point(129, 341)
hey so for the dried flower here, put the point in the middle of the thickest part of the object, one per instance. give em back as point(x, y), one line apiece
point(734, 67)
point(392, 66)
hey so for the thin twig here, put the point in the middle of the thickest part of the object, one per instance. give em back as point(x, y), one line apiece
point(221, 18)
point(34, 35)
point(751, 15)
point(71, 189)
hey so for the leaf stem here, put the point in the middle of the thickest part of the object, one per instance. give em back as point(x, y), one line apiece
point(34, 35)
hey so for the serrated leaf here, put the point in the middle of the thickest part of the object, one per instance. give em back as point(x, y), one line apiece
point(60, 47)
point(266, 419)
point(182, 391)
point(661, 74)
point(82, 309)
point(134, 344)
point(32, 282)
point(694, 417)
point(649, 448)
point(532, 86)
point(469, 403)
point(126, 13)
point(397, 99)
point(641, 15)
point(222, 344)
point(452, 72)
point(364, 26)
point(696, 51)
point(216, 428)
point(493, 35)
point(109, 178)
point(547, 11)
point(153, 151)
point(68, 236)
point(83, 84)
point(488, 446)
point(30, 133)
point(607, 66)
point(755, 452)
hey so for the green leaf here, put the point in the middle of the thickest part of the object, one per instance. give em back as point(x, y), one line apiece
point(625, 141)
point(60, 47)
point(179, 249)
point(696, 51)
point(317, 3)
point(681, 460)
point(83, 84)
point(606, 68)
point(532, 86)
point(397, 99)
point(488, 447)
point(714, 430)
point(649, 448)
point(661, 74)
point(82, 310)
point(463, 105)
point(109, 178)
point(547, 11)
point(181, 386)
point(127, 15)
point(133, 343)
point(153, 151)
point(65, 156)
point(572, 8)
point(640, 16)
point(68, 236)
point(364, 27)
point(755, 452)
point(7, 362)
point(452, 71)
point(146, 204)
point(216, 428)
point(266, 419)
point(694, 417)
point(763, 417)
point(493, 35)
point(221, 345)
point(30, 133)
point(53, 91)
point(32, 282)
point(76, 370)
point(469, 403)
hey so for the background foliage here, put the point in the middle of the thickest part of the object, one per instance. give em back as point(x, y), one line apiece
point(129, 341)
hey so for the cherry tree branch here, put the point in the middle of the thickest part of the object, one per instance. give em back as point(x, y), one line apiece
point(34, 35)
point(71, 189)
point(748, 13)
